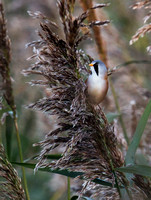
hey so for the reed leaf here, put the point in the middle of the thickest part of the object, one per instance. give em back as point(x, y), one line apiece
point(63, 172)
point(130, 156)
point(111, 116)
point(142, 170)
point(84, 198)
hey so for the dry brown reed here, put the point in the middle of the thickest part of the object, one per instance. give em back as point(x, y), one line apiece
point(147, 27)
point(5, 85)
point(96, 30)
point(10, 183)
point(90, 145)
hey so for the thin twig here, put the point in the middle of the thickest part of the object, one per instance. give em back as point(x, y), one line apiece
point(114, 69)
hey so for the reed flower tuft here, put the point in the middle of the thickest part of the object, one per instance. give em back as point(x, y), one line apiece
point(90, 145)
point(10, 183)
point(5, 55)
point(147, 27)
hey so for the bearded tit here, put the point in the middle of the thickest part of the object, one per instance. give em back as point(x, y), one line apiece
point(97, 82)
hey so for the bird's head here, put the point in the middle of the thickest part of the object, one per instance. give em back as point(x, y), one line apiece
point(98, 67)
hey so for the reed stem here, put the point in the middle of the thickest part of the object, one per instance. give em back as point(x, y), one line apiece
point(0, 133)
point(21, 156)
point(68, 183)
point(119, 112)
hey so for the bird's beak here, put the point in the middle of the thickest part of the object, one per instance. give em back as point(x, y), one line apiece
point(91, 65)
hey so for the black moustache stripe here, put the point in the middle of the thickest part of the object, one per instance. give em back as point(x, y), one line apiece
point(96, 68)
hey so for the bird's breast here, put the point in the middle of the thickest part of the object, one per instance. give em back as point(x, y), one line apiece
point(97, 88)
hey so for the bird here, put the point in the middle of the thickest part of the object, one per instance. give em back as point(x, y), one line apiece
point(97, 82)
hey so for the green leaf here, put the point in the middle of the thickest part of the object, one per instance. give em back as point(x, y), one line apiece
point(130, 156)
point(9, 133)
point(86, 198)
point(47, 169)
point(63, 172)
point(49, 156)
point(141, 159)
point(142, 170)
point(53, 156)
point(76, 197)
point(68, 188)
point(111, 116)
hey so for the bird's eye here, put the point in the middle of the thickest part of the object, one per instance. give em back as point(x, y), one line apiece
point(96, 68)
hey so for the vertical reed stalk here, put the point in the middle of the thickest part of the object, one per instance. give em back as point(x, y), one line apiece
point(0, 133)
point(21, 156)
point(112, 166)
point(5, 59)
point(68, 183)
point(87, 4)
point(119, 112)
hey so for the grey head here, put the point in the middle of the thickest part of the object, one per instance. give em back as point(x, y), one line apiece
point(98, 67)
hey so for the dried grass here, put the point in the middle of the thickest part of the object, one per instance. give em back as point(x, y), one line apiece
point(147, 27)
point(10, 183)
point(89, 141)
point(5, 84)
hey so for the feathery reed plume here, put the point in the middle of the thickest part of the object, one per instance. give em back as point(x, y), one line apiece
point(147, 27)
point(143, 184)
point(141, 4)
point(90, 143)
point(6, 85)
point(10, 183)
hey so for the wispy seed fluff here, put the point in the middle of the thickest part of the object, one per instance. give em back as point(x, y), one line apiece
point(90, 143)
